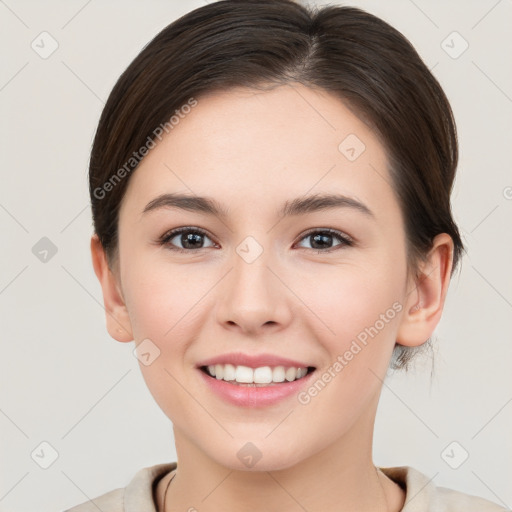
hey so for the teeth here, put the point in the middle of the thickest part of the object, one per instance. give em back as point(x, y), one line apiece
point(244, 374)
point(278, 374)
point(229, 372)
point(290, 374)
point(261, 375)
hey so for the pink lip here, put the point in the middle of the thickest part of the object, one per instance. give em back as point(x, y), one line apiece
point(251, 396)
point(252, 361)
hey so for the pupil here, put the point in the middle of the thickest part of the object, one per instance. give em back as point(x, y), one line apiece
point(322, 238)
point(191, 240)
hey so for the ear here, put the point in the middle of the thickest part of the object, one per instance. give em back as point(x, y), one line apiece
point(118, 320)
point(426, 294)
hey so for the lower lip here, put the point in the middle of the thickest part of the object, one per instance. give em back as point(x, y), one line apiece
point(252, 396)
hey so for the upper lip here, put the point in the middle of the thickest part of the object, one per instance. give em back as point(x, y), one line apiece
point(253, 361)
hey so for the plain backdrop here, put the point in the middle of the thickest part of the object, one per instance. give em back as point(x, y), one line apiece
point(74, 399)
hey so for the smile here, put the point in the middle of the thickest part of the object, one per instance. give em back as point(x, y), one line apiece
point(256, 377)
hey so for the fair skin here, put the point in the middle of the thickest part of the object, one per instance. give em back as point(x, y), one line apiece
point(252, 151)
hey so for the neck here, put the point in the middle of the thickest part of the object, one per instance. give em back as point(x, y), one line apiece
point(341, 478)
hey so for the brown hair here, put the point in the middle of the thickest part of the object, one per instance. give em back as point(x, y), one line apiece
point(346, 51)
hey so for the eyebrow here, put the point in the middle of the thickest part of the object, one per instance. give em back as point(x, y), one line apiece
point(298, 206)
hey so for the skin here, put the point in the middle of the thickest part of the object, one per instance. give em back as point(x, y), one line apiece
point(252, 151)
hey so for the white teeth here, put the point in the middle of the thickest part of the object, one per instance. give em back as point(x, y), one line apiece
point(261, 375)
point(278, 374)
point(290, 374)
point(229, 372)
point(244, 374)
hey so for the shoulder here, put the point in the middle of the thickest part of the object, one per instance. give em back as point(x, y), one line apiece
point(423, 495)
point(455, 501)
point(137, 495)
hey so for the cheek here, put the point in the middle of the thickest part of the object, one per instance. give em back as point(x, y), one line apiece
point(163, 308)
point(362, 309)
point(348, 300)
point(162, 298)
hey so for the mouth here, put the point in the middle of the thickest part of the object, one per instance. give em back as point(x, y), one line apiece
point(263, 376)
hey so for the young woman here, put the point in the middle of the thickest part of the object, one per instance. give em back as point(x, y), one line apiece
point(270, 188)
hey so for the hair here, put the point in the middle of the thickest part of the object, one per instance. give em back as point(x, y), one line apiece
point(260, 44)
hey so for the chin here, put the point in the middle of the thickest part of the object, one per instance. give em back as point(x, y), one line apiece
point(256, 457)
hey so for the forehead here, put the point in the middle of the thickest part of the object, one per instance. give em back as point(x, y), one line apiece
point(248, 147)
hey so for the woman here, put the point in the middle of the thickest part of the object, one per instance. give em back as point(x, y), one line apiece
point(270, 189)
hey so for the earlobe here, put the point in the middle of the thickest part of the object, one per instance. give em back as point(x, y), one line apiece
point(426, 295)
point(117, 318)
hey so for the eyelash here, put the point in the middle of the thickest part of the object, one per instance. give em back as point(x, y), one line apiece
point(345, 240)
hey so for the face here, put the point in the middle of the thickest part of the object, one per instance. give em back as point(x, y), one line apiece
point(321, 287)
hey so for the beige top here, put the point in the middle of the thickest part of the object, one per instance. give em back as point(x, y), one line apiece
point(421, 495)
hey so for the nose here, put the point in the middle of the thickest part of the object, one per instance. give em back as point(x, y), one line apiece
point(253, 298)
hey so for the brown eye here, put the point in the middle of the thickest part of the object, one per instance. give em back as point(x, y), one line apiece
point(185, 239)
point(323, 240)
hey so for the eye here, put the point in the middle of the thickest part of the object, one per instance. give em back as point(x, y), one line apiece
point(187, 239)
point(322, 239)
point(190, 239)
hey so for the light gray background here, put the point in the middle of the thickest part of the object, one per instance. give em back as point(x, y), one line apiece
point(64, 381)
